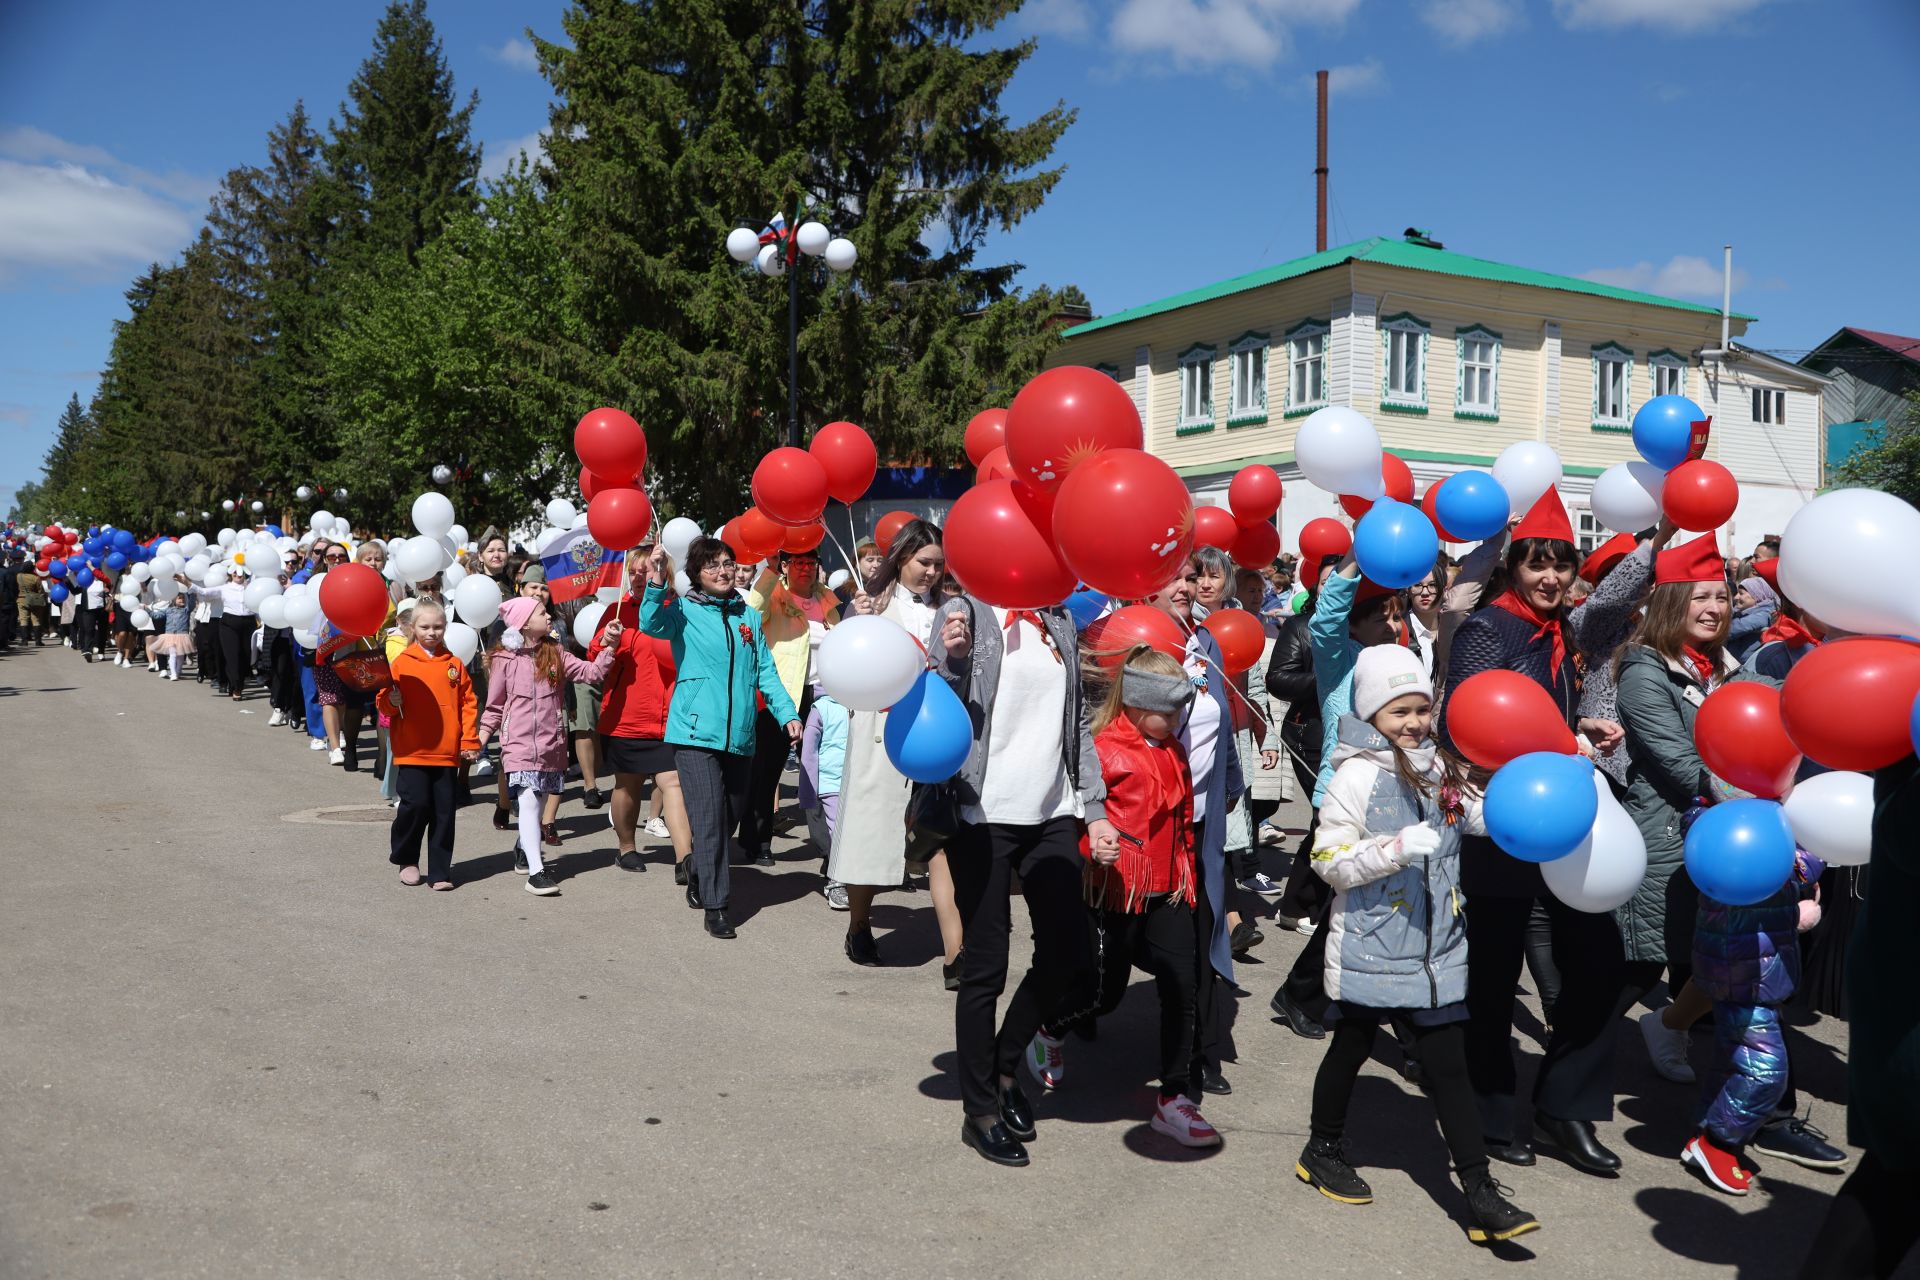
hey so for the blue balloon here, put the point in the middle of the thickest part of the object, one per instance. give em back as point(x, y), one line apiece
point(123, 540)
point(275, 530)
point(1395, 544)
point(58, 568)
point(57, 592)
point(1085, 605)
point(1472, 505)
point(1913, 726)
point(83, 579)
point(76, 563)
point(116, 561)
point(929, 733)
point(1741, 851)
point(1663, 430)
point(1541, 805)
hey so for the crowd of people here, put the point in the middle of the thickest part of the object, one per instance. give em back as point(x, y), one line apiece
point(1124, 794)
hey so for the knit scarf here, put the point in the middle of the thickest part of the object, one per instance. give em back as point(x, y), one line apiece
point(719, 602)
point(1790, 631)
point(1549, 627)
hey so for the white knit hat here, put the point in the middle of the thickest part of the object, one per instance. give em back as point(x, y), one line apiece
point(1384, 672)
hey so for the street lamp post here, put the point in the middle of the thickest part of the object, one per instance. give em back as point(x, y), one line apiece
point(776, 249)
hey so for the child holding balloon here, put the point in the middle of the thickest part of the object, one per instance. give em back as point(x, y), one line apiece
point(1391, 820)
point(429, 747)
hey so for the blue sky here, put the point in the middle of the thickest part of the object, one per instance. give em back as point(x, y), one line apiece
point(1623, 139)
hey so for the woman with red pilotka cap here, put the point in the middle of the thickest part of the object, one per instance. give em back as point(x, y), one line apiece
point(1524, 627)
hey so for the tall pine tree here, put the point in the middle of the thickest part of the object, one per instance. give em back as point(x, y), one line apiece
point(66, 460)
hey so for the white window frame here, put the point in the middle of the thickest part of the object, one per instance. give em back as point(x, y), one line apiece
point(1247, 380)
point(1301, 357)
point(1484, 411)
point(1622, 418)
point(1196, 389)
point(1769, 407)
point(1588, 533)
point(1666, 365)
point(1410, 335)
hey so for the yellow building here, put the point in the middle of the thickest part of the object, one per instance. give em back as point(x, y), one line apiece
point(1453, 358)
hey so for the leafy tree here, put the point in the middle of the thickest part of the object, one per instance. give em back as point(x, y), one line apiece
point(675, 120)
point(1892, 461)
point(29, 503)
point(62, 467)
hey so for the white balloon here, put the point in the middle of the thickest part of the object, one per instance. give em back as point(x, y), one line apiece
point(1832, 817)
point(1604, 870)
point(1339, 451)
point(128, 603)
point(677, 536)
point(477, 600)
point(742, 244)
point(841, 254)
point(1851, 558)
point(812, 237)
point(226, 537)
point(579, 519)
point(142, 620)
point(308, 640)
point(448, 553)
point(462, 641)
point(433, 513)
point(297, 589)
point(587, 621)
point(682, 584)
point(869, 663)
point(168, 546)
point(545, 537)
point(196, 568)
point(560, 512)
point(770, 262)
point(1527, 469)
point(191, 545)
point(320, 521)
point(453, 575)
point(259, 591)
point(342, 527)
point(418, 559)
point(837, 579)
point(140, 573)
point(301, 610)
point(459, 535)
point(215, 575)
point(1626, 496)
point(273, 611)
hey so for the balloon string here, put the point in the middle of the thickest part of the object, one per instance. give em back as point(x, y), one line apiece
point(1265, 717)
point(852, 568)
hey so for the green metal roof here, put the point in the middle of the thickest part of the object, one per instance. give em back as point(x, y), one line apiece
point(1393, 253)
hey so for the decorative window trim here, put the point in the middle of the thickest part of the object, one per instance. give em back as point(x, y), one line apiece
point(1664, 358)
point(1609, 351)
point(1297, 405)
point(1461, 409)
point(1246, 342)
point(1199, 354)
point(1403, 402)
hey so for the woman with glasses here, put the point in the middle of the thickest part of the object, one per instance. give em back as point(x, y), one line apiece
point(1423, 613)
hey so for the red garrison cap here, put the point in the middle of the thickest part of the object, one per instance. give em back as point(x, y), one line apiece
point(1768, 571)
point(1605, 556)
point(1696, 561)
point(1370, 589)
point(1548, 519)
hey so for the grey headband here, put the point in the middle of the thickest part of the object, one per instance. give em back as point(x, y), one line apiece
point(1151, 691)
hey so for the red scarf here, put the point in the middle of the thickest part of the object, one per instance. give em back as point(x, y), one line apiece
point(1789, 630)
point(1701, 664)
point(1549, 627)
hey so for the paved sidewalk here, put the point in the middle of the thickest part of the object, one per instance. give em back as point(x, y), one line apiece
point(232, 1044)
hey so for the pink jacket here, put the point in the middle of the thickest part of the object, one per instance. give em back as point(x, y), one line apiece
point(533, 711)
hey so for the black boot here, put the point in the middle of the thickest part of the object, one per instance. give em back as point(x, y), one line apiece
point(1298, 1020)
point(862, 949)
point(1323, 1166)
point(1495, 1217)
point(1576, 1141)
point(719, 926)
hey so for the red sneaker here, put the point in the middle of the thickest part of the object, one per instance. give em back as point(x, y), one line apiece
point(1721, 1168)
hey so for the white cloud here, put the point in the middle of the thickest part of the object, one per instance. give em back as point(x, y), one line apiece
point(16, 414)
point(1055, 18)
point(1196, 35)
point(1666, 16)
point(1683, 276)
point(500, 156)
point(516, 53)
point(1464, 22)
point(68, 218)
point(1355, 79)
point(36, 146)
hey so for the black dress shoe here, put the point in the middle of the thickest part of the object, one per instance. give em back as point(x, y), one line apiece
point(765, 857)
point(1211, 1081)
point(994, 1143)
point(1514, 1153)
point(693, 895)
point(1245, 937)
point(679, 873)
point(1576, 1141)
point(719, 926)
point(1016, 1113)
point(629, 861)
point(862, 949)
point(593, 798)
point(1298, 1020)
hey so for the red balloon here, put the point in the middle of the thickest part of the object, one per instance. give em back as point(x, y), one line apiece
point(1321, 538)
point(1214, 527)
point(1847, 703)
point(354, 598)
point(1700, 495)
point(994, 466)
point(847, 455)
point(1428, 505)
point(998, 545)
point(762, 534)
point(742, 554)
point(619, 518)
point(790, 486)
point(890, 526)
point(1241, 638)
point(591, 484)
point(986, 431)
point(1740, 736)
point(1124, 523)
point(610, 443)
point(1256, 546)
point(1254, 494)
point(1110, 638)
point(1498, 715)
point(806, 537)
point(1395, 475)
point(1064, 417)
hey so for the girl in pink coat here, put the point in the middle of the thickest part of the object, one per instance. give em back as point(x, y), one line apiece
point(527, 678)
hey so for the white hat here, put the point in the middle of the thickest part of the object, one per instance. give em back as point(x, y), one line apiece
point(1384, 672)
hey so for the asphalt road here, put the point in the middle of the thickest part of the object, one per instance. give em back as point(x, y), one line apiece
point(234, 1045)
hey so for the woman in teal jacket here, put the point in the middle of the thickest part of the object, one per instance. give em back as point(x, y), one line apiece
point(723, 663)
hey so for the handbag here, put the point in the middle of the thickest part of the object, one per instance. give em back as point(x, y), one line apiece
point(933, 819)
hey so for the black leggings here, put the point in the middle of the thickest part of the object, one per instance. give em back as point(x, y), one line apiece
point(1870, 1226)
point(770, 748)
point(1443, 1060)
point(1165, 942)
point(236, 635)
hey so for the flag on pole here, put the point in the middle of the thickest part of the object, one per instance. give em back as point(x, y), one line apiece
point(576, 565)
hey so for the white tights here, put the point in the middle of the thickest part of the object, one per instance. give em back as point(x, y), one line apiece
point(173, 665)
point(530, 804)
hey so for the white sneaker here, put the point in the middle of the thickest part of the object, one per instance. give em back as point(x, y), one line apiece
point(1302, 925)
point(483, 768)
point(153, 666)
point(316, 744)
point(1045, 1061)
point(1667, 1048)
point(172, 675)
point(657, 828)
point(277, 719)
point(1180, 1120)
point(336, 756)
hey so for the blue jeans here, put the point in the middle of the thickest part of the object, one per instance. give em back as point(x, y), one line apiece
point(1749, 1074)
point(316, 727)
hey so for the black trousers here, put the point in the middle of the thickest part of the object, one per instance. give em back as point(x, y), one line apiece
point(770, 747)
point(714, 785)
point(90, 634)
point(1306, 894)
point(1443, 1060)
point(283, 679)
point(1164, 941)
point(1870, 1225)
point(1215, 1007)
point(236, 634)
point(1540, 966)
point(984, 859)
point(206, 647)
point(427, 806)
point(1575, 1081)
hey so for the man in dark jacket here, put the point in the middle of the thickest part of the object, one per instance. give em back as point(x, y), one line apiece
point(10, 595)
point(1301, 999)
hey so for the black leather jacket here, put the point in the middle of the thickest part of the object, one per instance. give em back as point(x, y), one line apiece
point(1290, 680)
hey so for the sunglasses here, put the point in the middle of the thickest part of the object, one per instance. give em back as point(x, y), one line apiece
point(333, 559)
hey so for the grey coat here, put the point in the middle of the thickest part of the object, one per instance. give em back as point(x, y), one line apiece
point(1600, 626)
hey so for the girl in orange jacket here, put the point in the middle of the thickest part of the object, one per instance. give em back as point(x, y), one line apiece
point(435, 726)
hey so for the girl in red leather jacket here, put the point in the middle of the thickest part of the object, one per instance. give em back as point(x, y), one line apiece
point(1143, 902)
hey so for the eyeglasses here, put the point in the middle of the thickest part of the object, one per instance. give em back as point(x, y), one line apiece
point(1424, 589)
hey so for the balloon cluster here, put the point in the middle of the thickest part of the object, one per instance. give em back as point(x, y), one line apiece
point(613, 452)
point(1670, 433)
point(791, 489)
